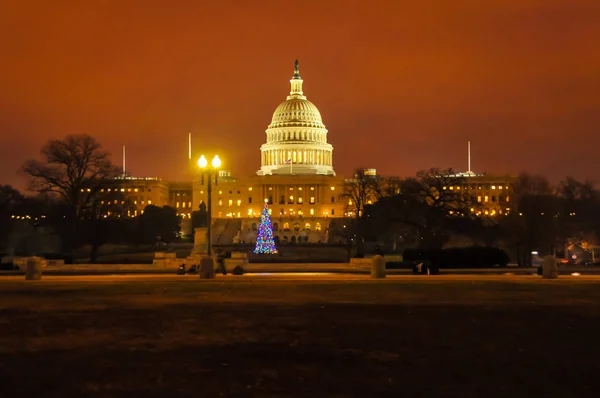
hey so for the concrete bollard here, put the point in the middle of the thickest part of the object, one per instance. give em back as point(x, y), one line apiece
point(33, 269)
point(207, 267)
point(377, 267)
point(549, 268)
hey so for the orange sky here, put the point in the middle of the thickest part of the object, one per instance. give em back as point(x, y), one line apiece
point(401, 85)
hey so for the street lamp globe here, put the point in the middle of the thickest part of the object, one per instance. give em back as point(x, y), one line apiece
point(216, 162)
point(202, 162)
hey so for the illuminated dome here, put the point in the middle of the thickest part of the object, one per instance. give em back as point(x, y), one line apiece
point(296, 137)
point(297, 112)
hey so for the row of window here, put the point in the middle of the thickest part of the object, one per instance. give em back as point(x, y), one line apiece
point(286, 226)
point(474, 186)
point(135, 202)
point(269, 200)
point(486, 199)
point(282, 212)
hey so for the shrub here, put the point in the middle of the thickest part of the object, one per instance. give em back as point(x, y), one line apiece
point(467, 257)
point(238, 270)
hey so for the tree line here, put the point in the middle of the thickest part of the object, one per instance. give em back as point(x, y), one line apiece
point(420, 212)
point(68, 182)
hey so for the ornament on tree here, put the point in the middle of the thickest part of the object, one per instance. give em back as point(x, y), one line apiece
point(264, 240)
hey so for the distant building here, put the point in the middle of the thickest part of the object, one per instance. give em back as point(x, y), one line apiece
point(492, 193)
point(296, 179)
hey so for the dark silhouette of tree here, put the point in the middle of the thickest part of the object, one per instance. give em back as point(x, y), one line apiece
point(158, 224)
point(359, 192)
point(10, 199)
point(73, 170)
point(427, 208)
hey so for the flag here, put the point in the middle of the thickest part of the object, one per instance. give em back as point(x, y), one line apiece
point(289, 161)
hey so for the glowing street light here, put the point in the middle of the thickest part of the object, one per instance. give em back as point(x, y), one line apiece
point(211, 172)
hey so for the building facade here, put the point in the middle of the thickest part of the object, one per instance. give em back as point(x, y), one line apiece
point(296, 179)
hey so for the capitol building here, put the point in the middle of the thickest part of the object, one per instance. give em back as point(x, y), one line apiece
point(296, 178)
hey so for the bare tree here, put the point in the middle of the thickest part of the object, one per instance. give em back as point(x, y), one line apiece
point(360, 191)
point(73, 170)
point(428, 200)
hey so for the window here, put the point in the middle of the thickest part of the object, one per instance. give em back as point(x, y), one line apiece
point(250, 200)
point(254, 226)
point(307, 226)
point(182, 204)
point(350, 202)
point(312, 200)
point(333, 188)
point(230, 192)
point(286, 225)
point(270, 200)
point(239, 202)
point(230, 202)
point(479, 199)
point(282, 200)
point(177, 205)
point(249, 188)
point(296, 227)
point(493, 198)
point(189, 204)
point(332, 212)
point(275, 226)
point(312, 188)
point(333, 199)
point(238, 192)
point(318, 226)
point(500, 198)
point(291, 200)
point(149, 202)
point(300, 200)
point(220, 202)
point(486, 199)
point(312, 212)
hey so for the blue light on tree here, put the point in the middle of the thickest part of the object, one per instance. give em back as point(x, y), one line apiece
point(264, 241)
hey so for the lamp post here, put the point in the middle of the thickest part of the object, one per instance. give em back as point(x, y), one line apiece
point(210, 171)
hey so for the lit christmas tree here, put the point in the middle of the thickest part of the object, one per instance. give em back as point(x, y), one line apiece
point(264, 240)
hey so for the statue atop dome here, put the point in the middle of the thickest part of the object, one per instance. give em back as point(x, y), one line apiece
point(297, 70)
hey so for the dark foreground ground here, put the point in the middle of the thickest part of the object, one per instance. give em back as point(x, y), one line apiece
point(95, 337)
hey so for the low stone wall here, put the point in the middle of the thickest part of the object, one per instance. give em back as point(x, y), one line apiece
point(360, 263)
point(165, 260)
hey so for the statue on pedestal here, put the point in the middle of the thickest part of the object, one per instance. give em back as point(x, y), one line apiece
point(200, 217)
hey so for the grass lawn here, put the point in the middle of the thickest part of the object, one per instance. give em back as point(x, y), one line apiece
point(413, 337)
